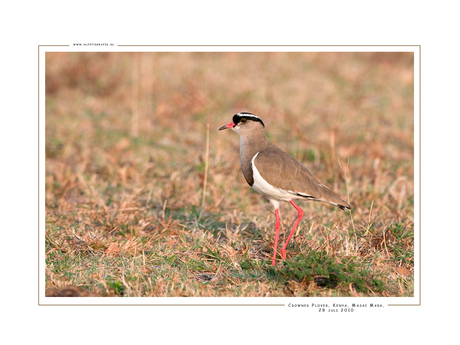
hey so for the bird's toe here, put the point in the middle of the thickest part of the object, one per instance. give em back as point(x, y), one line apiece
point(283, 253)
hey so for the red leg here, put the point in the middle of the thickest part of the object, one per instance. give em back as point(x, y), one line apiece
point(277, 234)
point(299, 218)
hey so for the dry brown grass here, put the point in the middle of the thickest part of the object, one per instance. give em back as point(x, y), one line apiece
point(125, 170)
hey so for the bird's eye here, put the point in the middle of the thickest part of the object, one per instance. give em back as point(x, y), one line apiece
point(243, 120)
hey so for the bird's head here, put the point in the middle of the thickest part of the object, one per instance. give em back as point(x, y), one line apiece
point(244, 122)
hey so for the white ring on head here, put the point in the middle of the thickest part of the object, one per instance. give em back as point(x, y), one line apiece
point(248, 115)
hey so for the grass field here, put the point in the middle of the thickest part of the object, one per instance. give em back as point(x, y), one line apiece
point(135, 206)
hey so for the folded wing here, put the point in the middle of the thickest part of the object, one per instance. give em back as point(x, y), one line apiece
point(282, 171)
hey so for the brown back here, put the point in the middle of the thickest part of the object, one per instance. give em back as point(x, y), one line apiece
point(283, 171)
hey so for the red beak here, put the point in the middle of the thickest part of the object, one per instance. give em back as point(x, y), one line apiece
point(230, 125)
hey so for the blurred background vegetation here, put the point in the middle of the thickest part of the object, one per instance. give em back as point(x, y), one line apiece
point(126, 165)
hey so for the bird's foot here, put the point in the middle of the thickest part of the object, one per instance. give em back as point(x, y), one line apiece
point(283, 253)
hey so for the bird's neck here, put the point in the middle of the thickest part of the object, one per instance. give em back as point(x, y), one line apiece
point(250, 145)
